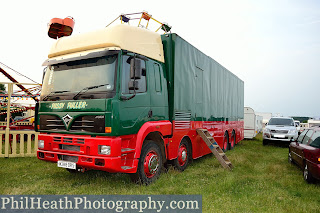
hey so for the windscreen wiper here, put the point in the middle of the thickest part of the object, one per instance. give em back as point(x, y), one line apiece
point(52, 93)
point(86, 89)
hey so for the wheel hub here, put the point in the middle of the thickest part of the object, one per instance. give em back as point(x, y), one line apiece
point(182, 155)
point(151, 164)
point(225, 144)
point(305, 172)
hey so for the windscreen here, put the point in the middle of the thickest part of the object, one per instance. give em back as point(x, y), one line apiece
point(91, 78)
point(281, 121)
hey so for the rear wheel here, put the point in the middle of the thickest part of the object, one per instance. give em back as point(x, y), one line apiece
point(225, 142)
point(306, 175)
point(182, 160)
point(150, 164)
point(233, 141)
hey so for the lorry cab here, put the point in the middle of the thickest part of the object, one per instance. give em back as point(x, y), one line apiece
point(96, 100)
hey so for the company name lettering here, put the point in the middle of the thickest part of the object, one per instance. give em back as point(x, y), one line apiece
point(70, 105)
point(77, 105)
point(57, 105)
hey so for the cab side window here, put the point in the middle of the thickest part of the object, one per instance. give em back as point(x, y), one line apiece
point(315, 140)
point(307, 137)
point(133, 82)
point(301, 136)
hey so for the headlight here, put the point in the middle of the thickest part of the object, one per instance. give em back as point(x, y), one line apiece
point(104, 150)
point(266, 130)
point(292, 131)
point(40, 144)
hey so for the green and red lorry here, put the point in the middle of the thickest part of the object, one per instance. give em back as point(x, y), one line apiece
point(125, 99)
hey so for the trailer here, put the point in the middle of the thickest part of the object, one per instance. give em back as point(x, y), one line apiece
point(252, 123)
point(125, 99)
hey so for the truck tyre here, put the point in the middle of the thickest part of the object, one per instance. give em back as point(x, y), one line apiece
point(265, 142)
point(72, 171)
point(225, 145)
point(306, 175)
point(150, 164)
point(184, 153)
point(233, 141)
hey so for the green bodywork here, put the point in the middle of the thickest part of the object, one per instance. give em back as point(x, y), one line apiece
point(200, 86)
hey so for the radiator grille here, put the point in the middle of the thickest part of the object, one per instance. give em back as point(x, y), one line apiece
point(87, 123)
point(69, 147)
point(51, 122)
point(279, 131)
point(68, 158)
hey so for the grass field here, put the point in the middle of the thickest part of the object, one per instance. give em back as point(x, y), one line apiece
point(262, 181)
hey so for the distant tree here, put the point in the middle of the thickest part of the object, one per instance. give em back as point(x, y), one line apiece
point(301, 119)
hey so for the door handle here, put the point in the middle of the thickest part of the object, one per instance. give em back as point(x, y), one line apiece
point(150, 113)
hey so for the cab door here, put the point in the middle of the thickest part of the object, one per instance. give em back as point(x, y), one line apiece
point(134, 104)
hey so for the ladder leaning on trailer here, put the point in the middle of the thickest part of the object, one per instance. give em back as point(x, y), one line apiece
point(215, 148)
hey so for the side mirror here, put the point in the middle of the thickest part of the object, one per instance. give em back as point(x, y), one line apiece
point(44, 73)
point(135, 68)
point(133, 85)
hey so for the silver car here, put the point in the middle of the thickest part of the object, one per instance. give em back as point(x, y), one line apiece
point(280, 129)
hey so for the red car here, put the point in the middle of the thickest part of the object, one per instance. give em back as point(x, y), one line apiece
point(305, 152)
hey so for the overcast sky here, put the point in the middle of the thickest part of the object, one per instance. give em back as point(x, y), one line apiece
point(272, 45)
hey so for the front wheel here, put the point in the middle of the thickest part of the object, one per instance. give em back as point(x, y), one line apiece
point(290, 158)
point(150, 164)
point(306, 175)
point(265, 142)
point(182, 160)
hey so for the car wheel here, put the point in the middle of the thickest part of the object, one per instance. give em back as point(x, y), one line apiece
point(265, 142)
point(182, 160)
point(290, 158)
point(306, 175)
point(150, 164)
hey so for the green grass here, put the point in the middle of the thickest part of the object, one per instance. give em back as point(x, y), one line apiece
point(262, 181)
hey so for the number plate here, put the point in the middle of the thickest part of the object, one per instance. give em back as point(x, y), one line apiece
point(67, 164)
point(279, 136)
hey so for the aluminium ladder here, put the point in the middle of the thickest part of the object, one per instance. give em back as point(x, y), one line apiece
point(215, 148)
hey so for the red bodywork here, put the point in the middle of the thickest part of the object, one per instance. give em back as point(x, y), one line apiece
point(125, 150)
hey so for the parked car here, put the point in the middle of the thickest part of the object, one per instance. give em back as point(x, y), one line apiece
point(305, 152)
point(297, 123)
point(280, 129)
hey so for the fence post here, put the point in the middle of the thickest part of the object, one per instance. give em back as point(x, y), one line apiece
point(7, 134)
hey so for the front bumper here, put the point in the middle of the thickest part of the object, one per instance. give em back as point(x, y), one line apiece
point(279, 137)
point(84, 151)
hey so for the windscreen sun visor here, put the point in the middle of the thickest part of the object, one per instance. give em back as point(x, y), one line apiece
point(81, 55)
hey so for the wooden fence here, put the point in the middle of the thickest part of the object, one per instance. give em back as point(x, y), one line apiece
point(18, 143)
